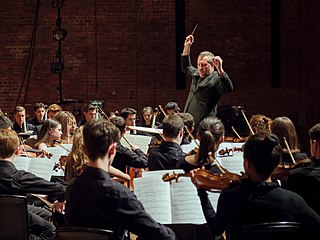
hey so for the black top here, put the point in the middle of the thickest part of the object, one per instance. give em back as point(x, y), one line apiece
point(125, 157)
point(187, 167)
point(306, 182)
point(19, 129)
point(165, 156)
point(253, 202)
point(94, 200)
point(35, 122)
point(19, 182)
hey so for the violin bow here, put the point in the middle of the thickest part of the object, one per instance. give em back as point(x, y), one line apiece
point(234, 130)
point(246, 119)
point(289, 150)
point(155, 113)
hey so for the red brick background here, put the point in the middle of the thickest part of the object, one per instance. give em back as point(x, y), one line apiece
point(128, 47)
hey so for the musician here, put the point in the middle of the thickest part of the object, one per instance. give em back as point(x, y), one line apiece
point(256, 199)
point(306, 180)
point(68, 125)
point(148, 118)
point(93, 200)
point(210, 134)
point(19, 182)
point(260, 123)
point(188, 121)
point(172, 108)
point(133, 157)
point(19, 115)
point(89, 112)
point(51, 131)
point(129, 115)
point(169, 152)
point(77, 161)
point(53, 110)
point(39, 111)
point(207, 85)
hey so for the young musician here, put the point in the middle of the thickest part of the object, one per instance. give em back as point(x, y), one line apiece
point(210, 134)
point(89, 112)
point(256, 199)
point(5, 123)
point(68, 125)
point(188, 122)
point(172, 108)
point(129, 116)
point(306, 180)
point(50, 132)
point(207, 86)
point(53, 110)
point(19, 182)
point(20, 124)
point(260, 123)
point(39, 111)
point(169, 152)
point(94, 200)
point(133, 157)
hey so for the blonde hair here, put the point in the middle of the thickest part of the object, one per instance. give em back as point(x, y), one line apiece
point(64, 117)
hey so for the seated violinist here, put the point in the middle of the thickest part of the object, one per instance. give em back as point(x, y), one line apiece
point(210, 134)
point(20, 124)
point(260, 123)
point(5, 123)
point(89, 113)
point(49, 134)
point(166, 156)
point(39, 111)
point(68, 125)
point(148, 118)
point(188, 121)
point(53, 110)
point(94, 201)
point(256, 199)
point(306, 180)
point(77, 161)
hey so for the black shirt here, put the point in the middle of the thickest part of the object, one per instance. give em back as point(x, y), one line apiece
point(125, 157)
point(165, 156)
point(255, 202)
point(94, 200)
point(19, 182)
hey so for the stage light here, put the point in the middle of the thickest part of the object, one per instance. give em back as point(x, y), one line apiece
point(57, 3)
point(59, 34)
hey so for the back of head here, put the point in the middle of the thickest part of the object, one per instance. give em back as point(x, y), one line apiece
point(98, 135)
point(260, 123)
point(314, 133)
point(9, 142)
point(264, 152)
point(284, 127)
point(210, 130)
point(172, 125)
point(187, 119)
point(127, 111)
point(120, 123)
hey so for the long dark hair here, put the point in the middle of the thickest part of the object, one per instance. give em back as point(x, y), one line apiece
point(210, 130)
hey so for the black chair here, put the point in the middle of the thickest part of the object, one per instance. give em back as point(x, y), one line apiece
point(273, 231)
point(13, 217)
point(188, 231)
point(74, 233)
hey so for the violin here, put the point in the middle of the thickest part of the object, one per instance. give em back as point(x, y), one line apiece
point(27, 151)
point(208, 180)
point(281, 172)
point(235, 139)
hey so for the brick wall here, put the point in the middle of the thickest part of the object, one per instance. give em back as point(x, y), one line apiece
point(123, 52)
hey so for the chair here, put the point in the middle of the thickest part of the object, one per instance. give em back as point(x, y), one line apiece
point(273, 231)
point(13, 217)
point(75, 233)
point(188, 231)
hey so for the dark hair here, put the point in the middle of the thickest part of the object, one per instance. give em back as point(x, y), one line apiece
point(264, 152)
point(172, 106)
point(172, 125)
point(210, 130)
point(88, 107)
point(38, 105)
point(120, 123)
point(126, 112)
point(98, 135)
point(314, 132)
point(188, 121)
point(283, 127)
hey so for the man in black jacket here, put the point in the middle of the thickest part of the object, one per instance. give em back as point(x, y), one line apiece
point(19, 182)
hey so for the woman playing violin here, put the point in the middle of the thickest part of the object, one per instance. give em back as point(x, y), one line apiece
point(68, 124)
point(256, 199)
point(210, 134)
point(51, 131)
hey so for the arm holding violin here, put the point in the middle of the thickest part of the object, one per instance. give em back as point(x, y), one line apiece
point(136, 158)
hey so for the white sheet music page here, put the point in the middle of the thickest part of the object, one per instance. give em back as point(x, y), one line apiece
point(41, 167)
point(154, 194)
point(140, 141)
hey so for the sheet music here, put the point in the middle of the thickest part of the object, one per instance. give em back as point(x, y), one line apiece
point(140, 141)
point(154, 194)
point(41, 167)
point(57, 152)
point(188, 147)
point(146, 129)
point(160, 173)
point(233, 163)
point(186, 206)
